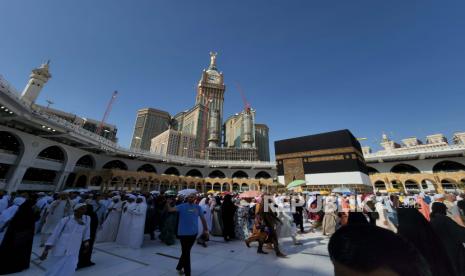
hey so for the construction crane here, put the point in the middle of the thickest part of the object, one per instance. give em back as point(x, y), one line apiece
point(246, 103)
point(107, 112)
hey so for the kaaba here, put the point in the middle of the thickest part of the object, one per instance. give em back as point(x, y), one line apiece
point(325, 161)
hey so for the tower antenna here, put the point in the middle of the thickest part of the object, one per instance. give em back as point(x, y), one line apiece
point(49, 103)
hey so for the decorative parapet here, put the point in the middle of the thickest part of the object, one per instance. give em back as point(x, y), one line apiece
point(110, 146)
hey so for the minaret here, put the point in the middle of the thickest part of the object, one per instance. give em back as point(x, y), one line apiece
point(37, 80)
point(247, 124)
point(213, 131)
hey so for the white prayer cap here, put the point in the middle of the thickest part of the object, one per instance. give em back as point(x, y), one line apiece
point(40, 193)
point(116, 197)
point(79, 205)
point(132, 196)
point(438, 196)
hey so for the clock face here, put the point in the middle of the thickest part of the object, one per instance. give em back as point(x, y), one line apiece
point(213, 79)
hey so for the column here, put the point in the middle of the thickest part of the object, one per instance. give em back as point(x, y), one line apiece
point(16, 177)
point(60, 180)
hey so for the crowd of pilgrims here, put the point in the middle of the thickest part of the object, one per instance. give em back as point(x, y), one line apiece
point(71, 223)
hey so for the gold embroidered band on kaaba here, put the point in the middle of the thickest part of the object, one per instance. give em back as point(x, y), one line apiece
point(320, 152)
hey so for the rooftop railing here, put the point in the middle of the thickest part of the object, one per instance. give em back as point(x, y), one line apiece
point(108, 145)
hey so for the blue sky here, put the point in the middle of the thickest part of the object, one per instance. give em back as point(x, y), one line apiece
point(305, 66)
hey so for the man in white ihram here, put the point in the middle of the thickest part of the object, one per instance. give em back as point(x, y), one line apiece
point(136, 227)
point(66, 241)
point(111, 223)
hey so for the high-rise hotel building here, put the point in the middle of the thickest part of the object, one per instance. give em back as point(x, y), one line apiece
point(150, 123)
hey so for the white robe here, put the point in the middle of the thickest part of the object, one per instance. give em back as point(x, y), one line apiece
point(66, 241)
point(207, 214)
point(111, 224)
point(4, 203)
point(136, 227)
point(55, 212)
point(123, 237)
point(288, 227)
point(383, 217)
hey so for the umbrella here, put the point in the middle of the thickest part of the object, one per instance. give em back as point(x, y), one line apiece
point(324, 193)
point(187, 192)
point(170, 192)
point(250, 194)
point(296, 183)
point(155, 192)
point(342, 190)
point(212, 192)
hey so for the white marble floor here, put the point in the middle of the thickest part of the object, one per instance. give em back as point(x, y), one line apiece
point(220, 258)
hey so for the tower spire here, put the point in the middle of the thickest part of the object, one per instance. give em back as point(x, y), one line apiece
point(213, 60)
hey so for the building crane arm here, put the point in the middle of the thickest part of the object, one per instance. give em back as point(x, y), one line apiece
point(107, 112)
point(244, 99)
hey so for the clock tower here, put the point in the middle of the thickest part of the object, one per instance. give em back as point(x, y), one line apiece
point(210, 90)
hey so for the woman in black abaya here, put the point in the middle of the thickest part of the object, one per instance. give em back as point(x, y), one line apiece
point(16, 247)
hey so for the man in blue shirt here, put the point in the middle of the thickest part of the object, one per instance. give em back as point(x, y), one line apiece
point(189, 212)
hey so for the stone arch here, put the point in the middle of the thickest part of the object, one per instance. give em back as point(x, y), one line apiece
point(117, 182)
point(54, 153)
point(39, 176)
point(11, 143)
point(96, 181)
point(130, 183)
point(240, 174)
point(411, 185)
point(86, 161)
point(81, 181)
point(396, 184)
point(404, 168)
point(194, 173)
point(198, 187)
point(208, 186)
point(184, 185)
point(115, 165)
point(428, 184)
point(371, 170)
point(262, 174)
point(147, 168)
point(380, 185)
point(462, 183)
point(216, 187)
point(236, 187)
point(164, 185)
point(448, 166)
point(226, 187)
point(174, 185)
point(172, 171)
point(244, 187)
point(191, 185)
point(142, 184)
point(448, 184)
point(217, 174)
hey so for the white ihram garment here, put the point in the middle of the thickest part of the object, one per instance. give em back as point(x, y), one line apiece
point(136, 227)
point(110, 225)
point(66, 241)
point(123, 237)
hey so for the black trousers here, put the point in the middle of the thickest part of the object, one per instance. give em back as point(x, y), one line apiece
point(299, 220)
point(185, 261)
